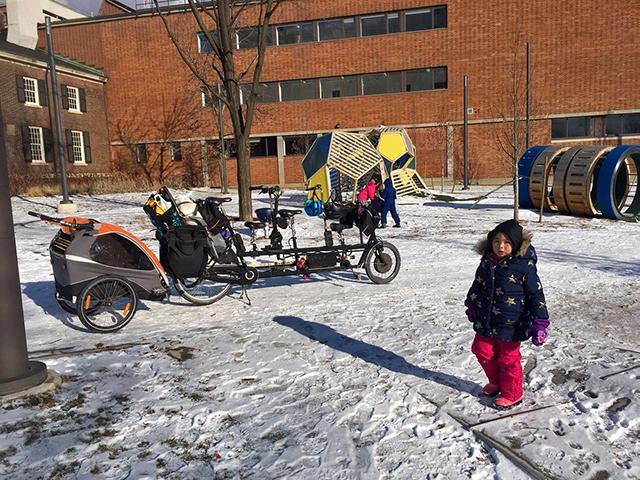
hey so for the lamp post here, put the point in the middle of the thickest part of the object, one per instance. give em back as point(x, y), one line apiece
point(66, 205)
point(16, 371)
point(465, 135)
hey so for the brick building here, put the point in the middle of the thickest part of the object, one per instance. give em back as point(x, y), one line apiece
point(355, 65)
point(27, 115)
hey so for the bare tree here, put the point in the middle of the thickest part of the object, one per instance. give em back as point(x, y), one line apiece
point(511, 133)
point(218, 23)
point(158, 159)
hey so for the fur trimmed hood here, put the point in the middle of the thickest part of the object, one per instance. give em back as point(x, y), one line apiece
point(482, 246)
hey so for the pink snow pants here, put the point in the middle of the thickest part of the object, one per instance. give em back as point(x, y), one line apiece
point(500, 360)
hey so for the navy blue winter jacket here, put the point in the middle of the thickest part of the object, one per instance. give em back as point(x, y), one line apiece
point(389, 192)
point(505, 297)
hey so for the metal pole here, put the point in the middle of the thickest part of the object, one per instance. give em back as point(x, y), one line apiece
point(465, 133)
point(223, 160)
point(516, 143)
point(528, 96)
point(56, 112)
point(16, 371)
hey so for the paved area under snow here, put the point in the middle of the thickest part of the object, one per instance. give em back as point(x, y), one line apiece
point(335, 377)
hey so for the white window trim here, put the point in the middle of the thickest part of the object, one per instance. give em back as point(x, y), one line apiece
point(41, 145)
point(76, 98)
point(73, 148)
point(36, 93)
point(201, 39)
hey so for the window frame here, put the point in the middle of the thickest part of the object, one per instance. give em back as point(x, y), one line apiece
point(35, 93)
point(77, 134)
point(300, 25)
point(565, 134)
point(202, 42)
point(175, 151)
point(37, 145)
point(75, 98)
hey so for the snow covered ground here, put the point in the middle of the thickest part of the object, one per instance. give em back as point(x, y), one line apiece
point(335, 377)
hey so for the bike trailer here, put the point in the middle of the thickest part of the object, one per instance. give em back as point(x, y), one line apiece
point(94, 249)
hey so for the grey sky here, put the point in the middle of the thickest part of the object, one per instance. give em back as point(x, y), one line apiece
point(89, 7)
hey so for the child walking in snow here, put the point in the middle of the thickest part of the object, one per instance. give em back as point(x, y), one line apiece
point(506, 306)
point(389, 203)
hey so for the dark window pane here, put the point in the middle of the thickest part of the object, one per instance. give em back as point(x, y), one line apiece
point(579, 126)
point(558, 127)
point(394, 82)
point(336, 28)
point(440, 77)
point(393, 22)
point(298, 144)
point(263, 146)
point(373, 25)
point(373, 84)
point(631, 123)
point(117, 251)
point(203, 44)
point(266, 92)
point(297, 33)
point(378, 83)
point(419, 80)
point(419, 20)
point(297, 90)
point(338, 87)
point(440, 17)
point(613, 125)
point(248, 37)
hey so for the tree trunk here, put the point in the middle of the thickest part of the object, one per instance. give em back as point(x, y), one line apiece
point(244, 179)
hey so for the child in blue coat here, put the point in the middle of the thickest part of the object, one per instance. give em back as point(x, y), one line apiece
point(506, 305)
point(389, 203)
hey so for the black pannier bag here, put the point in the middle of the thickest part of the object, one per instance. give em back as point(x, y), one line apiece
point(184, 251)
point(367, 219)
point(210, 211)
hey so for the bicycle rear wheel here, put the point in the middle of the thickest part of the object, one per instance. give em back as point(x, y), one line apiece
point(204, 292)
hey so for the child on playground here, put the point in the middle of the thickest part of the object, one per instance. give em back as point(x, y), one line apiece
point(506, 305)
point(389, 204)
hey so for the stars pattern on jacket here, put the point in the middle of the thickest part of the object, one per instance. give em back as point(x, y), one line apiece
point(499, 291)
point(510, 301)
point(512, 278)
point(473, 297)
point(496, 311)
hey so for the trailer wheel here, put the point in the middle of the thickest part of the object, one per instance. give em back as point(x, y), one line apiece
point(107, 304)
point(66, 305)
point(382, 263)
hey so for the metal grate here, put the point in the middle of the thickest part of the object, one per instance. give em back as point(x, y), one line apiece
point(61, 242)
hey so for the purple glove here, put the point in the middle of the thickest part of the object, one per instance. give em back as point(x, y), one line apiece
point(470, 311)
point(538, 331)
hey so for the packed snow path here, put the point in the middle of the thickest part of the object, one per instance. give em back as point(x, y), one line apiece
point(335, 377)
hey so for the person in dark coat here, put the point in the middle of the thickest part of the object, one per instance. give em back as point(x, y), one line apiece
point(389, 203)
point(506, 305)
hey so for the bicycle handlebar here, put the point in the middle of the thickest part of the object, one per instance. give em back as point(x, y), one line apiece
point(266, 189)
point(315, 187)
point(61, 221)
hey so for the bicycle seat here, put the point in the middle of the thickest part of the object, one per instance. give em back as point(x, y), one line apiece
point(254, 225)
point(288, 213)
point(218, 200)
point(338, 227)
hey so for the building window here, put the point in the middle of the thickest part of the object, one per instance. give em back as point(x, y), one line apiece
point(379, 24)
point(176, 152)
point(333, 87)
point(37, 144)
point(426, 19)
point(627, 124)
point(378, 83)
point(203, 43)
point(248, 37)
point(571, 127)
point(206, 98)
point(266, 92)
point(295, 33)
point(78, 146)
point(298, 144)
point(297, 90)
point(336, 28)
point(31, 91)
point(74, 99)
point(141, 153)
point(426, 79)
point(263, 147)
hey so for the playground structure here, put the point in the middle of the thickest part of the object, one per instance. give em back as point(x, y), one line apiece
point(582, 180)
point(340, 162)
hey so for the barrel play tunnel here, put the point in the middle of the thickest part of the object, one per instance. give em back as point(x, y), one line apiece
point(583, 181)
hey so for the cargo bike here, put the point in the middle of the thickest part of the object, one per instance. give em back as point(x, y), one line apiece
point(101, 271)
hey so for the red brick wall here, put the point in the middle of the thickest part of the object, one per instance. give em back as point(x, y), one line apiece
point(583, 60)
point(16, 114)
